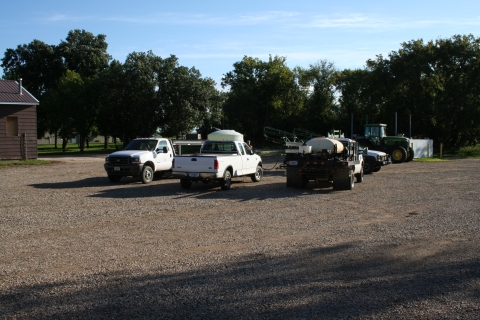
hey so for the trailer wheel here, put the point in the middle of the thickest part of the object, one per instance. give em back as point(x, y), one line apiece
point(226, 181)
point(185, 183)
point(368, 166)
point(113, 178)
point(257, 176)
point(399, 154)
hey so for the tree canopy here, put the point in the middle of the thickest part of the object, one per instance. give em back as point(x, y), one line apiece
point(82, 91)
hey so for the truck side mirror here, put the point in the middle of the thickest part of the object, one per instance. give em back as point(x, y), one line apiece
point(165, 150)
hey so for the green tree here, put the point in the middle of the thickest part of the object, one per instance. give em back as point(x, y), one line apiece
point(436, 83)
point(84, 53)
point(184, 99)
point(62, 104)
point(321, 111)
point(261, 94)
point(148, 93)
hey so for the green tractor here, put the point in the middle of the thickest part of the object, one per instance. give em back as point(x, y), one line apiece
point(375, 138)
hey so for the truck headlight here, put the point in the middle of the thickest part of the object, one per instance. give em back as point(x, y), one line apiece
point(106, 159)
point(136, 160)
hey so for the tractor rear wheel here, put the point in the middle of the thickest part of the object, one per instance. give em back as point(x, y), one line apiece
point(410, 155)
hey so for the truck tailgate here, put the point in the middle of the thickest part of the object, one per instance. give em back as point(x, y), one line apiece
point(194, 164)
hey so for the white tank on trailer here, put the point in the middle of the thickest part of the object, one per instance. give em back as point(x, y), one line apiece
point(319, 144)
point(225, 135)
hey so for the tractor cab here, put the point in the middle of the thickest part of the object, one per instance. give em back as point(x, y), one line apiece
point(375, 133)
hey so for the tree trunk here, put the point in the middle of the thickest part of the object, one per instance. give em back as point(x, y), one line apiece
point(82, 142)
point(64, 144)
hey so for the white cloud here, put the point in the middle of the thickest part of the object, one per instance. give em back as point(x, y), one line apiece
point(362, 21)
point(256, 18)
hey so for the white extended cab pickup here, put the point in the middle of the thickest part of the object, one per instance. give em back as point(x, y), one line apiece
point(218, 160)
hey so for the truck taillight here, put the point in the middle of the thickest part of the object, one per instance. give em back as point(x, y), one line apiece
point(216, 165)
point(173, 163)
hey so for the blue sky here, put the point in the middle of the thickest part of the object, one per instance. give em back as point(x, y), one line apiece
point(212, 35)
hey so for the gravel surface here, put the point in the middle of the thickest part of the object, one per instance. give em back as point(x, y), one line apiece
point(403, 244)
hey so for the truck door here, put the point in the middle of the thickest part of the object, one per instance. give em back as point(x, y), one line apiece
point(249, 165)
point(243, 157)
point(164, 157)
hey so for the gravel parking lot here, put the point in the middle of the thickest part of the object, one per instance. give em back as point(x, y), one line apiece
point(403, 244)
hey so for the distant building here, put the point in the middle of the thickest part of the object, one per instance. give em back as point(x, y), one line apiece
point(18, 122)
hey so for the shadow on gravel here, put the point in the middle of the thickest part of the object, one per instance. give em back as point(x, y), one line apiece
point(86, 183)
point(92, 182)
point(240, 191)
point(319, 283)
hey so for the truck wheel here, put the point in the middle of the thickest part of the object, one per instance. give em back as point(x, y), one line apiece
point(350, 182)
point(226, 181)
point(147, 174)
point(359, 177)
point(377, 169)
point(410, 155)
point(185, 183)
point(257, 176)
point(346, 183)
point(399, 154)
point(113, 178)
point(368, 166)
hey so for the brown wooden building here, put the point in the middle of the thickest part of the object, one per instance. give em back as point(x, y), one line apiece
point(18, 122)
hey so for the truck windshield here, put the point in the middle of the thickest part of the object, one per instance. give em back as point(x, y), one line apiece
point(146, 145)
point(218, 147)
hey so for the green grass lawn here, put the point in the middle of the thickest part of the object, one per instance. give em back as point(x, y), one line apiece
point(74, 149)
point(28, 162)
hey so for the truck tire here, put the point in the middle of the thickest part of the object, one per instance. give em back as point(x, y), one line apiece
point(359, 176)
point(368, 166)
point(377, 169)
point(257, 176)
point(113, 178)
point(398, 154)
point(346, 183)
point(226, 181)
point(185, 183)
point(350, 182)
point(147, 174)
point(410, 155)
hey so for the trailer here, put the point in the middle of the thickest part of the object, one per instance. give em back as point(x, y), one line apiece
point(324, 160)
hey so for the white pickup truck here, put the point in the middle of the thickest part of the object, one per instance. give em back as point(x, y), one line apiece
point(218, 160)
point(375, 160)
point(142, 157)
